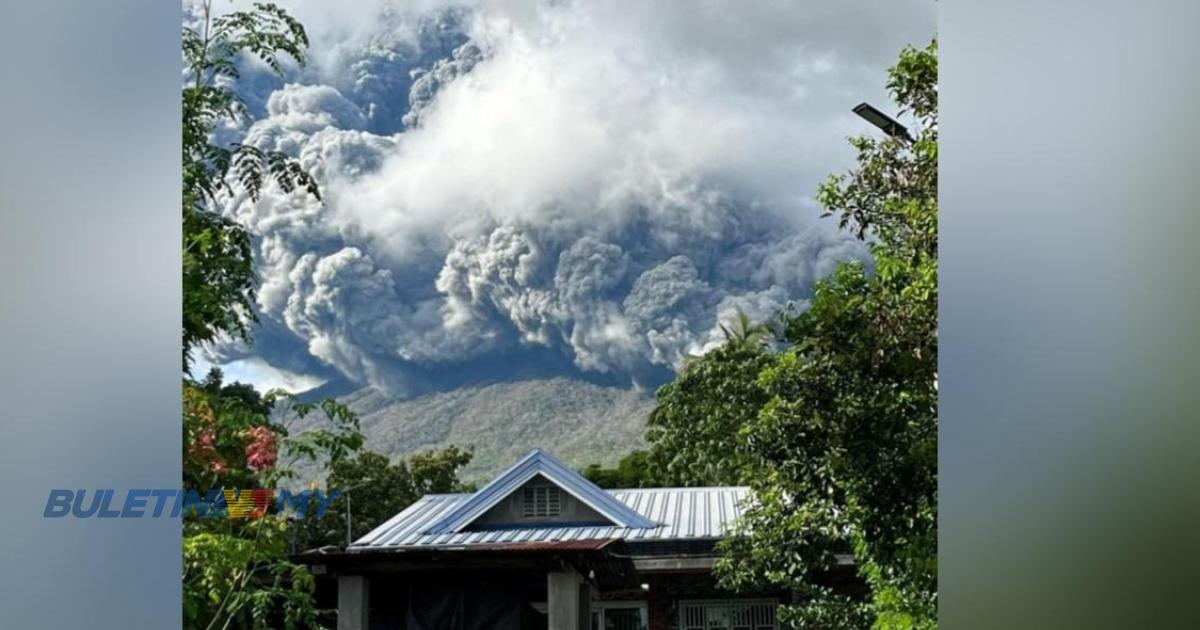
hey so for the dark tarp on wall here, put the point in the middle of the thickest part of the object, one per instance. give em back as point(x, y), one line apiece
point(470, 610)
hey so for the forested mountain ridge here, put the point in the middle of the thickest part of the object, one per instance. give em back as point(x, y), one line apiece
point(581, 423)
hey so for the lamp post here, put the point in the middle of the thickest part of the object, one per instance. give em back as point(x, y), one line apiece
point(349, 534)
point(883, 121)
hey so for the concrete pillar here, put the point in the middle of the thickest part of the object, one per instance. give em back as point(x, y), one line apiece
point(353, 591)
point(585, 606)
point(565, 606)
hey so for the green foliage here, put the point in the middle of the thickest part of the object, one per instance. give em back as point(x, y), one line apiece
point(240, 577)
point(222, 421)
point(847, 442)
point(218, 274)
point(837, 433)
point(237, 572)
point(379, 489)
point(635, 470)
point(891, 196)
point(331, 441)
point(694, 429)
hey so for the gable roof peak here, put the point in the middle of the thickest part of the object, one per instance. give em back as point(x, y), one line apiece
point(539, 462)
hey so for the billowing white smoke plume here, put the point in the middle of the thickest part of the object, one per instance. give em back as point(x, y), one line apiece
point(601, 182)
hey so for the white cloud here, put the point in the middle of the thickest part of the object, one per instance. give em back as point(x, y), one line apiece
point(257, 372)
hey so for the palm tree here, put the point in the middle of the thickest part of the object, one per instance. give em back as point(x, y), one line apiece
point(740, 333)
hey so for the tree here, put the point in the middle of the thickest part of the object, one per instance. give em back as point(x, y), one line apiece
point(240, 578)
point(635, 470)
point(836, 433)
point(231, 438)
point(845, 446)
point(236, 571)
point(742, 332)
point(218, 262)
point(694, 428)
point(381, 489)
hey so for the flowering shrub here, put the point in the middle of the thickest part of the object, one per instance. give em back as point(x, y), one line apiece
point(261, 452)
point(236, 571)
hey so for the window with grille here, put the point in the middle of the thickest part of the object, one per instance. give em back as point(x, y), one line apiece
point(542, 501)
point(727, 615)
point(619, 615)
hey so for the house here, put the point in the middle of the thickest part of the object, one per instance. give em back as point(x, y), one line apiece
point(542, 547)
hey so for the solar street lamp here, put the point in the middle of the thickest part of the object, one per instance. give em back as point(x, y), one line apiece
point(883, 121)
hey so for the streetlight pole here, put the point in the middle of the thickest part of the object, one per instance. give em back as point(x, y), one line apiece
point(349, 534)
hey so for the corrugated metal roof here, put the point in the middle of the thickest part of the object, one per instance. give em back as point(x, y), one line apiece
point(680, 514)
point(554, 545)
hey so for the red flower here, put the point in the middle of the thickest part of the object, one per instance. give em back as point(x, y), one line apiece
point(203, 448)
point(261, 452)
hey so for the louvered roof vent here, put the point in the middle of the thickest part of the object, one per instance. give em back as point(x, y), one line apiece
point(541, 501)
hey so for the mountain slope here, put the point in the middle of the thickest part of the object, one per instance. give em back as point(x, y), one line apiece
point(580, 422)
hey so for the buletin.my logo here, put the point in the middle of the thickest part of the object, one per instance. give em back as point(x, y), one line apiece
point(174, 502)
